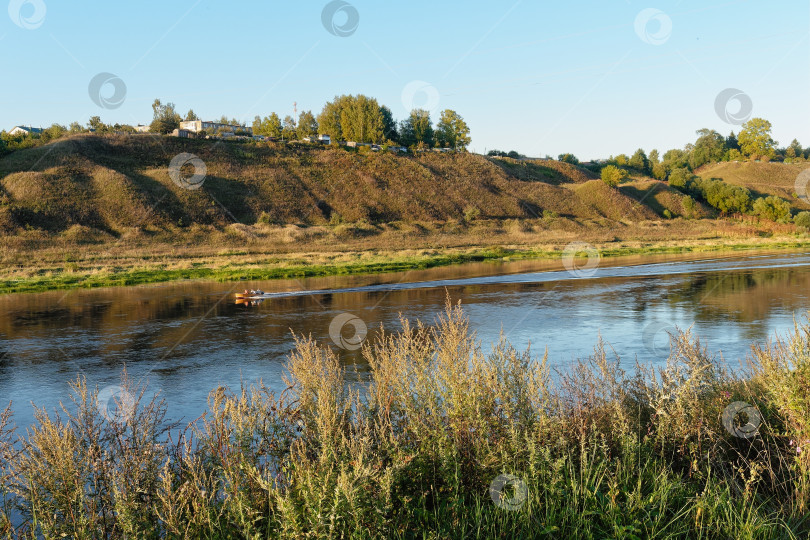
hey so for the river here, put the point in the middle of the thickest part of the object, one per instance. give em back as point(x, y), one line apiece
point(185, 339)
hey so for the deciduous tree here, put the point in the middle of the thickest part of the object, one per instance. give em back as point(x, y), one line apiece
point(288, 128)
point(613, 175)
point(417, 128)
point(755, 139)
point(640, 162)
point(708, 148)
point(164, 117)
point(452, 131)
point(307, 125)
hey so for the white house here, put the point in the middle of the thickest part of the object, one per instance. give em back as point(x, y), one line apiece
point(325, 139)
point(25, 130)
point(198, 125)
point(141, 129)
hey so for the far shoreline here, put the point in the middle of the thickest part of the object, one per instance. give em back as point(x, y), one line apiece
point(381, 262)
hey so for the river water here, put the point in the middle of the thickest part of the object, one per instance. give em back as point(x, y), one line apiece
point(185, 339)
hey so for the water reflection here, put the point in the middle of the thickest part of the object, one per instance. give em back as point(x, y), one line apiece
point(190, 337)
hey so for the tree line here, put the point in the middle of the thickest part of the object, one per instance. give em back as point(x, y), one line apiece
point(363, 119)
point(356, 118)
point(753, 142)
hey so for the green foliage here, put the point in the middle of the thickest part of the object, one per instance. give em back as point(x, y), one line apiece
point(659, 171)
point(568, 158)
point(471, 213)
point(416, 129)
point(675, 159)
point(619, 161)
point(269, 126)
point(755, 139)
point(512, 154)
point(452, 131)
point(731, 142)
point(709, 147)
point(190, 116)
point(795, 148)
point(802, 220)
point(52, 133)
point(640, 162)
point(772, 208)
point(288, 129)
point(679, 178)
point(390, 131)
point(689, 206)
point(164, 117)
point(95, 124)
point(307, 125)
point(727, 198)
point(613, 175)
point(353, 118)
point(667, 214)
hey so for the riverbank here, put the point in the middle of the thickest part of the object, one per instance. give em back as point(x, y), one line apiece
point(444, 441)
point(310, 254)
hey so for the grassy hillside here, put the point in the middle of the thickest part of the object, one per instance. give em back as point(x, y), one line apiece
point(761, 178)
point(114, 183)
point(102, 210)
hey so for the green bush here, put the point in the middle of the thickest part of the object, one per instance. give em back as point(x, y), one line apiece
point(725, 197)
point(802, 220)
point(689, 206)
point(265, 219)
point(613, 175)
point(679, 178)
point(471, 213)
point(772, 208)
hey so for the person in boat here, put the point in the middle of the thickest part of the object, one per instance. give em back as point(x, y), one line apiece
point(253, 292)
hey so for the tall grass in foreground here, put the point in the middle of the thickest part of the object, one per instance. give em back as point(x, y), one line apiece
point(420, 449)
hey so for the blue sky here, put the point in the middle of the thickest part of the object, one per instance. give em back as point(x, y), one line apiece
point(537, 77)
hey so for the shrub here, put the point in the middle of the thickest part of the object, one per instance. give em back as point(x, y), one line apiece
point(802, 220)
point(471, 213)
point(680, 178)
point(667, 214)
point(265, 219)
point(689, 206)
point(659, 171)
point(772, 208)
point(613, 175)
point(725, 197)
